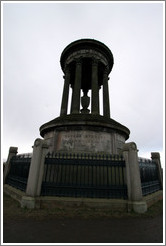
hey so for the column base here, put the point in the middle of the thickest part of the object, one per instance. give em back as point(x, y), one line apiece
point(140, 207)
point(28, 202)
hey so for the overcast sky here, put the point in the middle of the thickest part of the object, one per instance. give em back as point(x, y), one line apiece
point(34, 36)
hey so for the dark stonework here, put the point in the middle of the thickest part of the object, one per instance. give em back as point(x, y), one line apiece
point(86, 64)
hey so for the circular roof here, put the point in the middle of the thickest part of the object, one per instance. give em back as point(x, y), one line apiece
point(87, 44)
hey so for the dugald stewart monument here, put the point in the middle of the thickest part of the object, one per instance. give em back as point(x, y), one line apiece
point(86, 65)
point(83, 156)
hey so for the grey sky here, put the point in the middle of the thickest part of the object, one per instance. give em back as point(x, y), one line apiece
point(34, 36)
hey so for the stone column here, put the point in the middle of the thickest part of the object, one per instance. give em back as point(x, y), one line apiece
point(106, 103)
point(12, 152)
point(75, 104)
point(95, 87)
point(155, 156)
point(133, 178)
point(35, 177)
point(65, 96)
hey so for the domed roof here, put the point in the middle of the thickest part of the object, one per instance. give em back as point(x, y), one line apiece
point(90, 44)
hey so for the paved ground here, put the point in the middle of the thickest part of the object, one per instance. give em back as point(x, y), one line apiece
point(23, 226)
point(131, 230)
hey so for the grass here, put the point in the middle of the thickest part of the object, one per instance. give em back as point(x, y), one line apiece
point(12, 209)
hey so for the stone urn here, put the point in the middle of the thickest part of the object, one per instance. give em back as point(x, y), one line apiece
point(85, 100)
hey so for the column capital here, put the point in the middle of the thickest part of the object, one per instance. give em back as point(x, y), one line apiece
point(78, 60)
point(95, 61)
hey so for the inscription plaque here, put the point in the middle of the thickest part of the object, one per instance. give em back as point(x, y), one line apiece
point(87, 141)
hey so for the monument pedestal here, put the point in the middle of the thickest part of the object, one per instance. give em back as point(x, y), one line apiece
point(79, 133)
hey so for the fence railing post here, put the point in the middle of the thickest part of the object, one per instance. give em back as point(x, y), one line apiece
point(130, 154)
point(12, 152)
point(35, 177)
point(155, 156)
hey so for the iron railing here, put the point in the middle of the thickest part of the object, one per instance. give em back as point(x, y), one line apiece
point(19, 171)
point(74, 175)
point(149, 176)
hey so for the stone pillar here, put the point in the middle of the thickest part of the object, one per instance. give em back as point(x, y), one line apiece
point(65, 96)
point(12, 152)
point(106, 103)
point(75, 104)
point(133, 178)
point(155, 156)
point(95, 88)
point(35, 177)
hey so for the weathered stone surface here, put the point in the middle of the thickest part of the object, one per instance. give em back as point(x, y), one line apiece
point(36, 168)
point(130, 154)
point(85, 133)
point(140, 207)
point(87, 141)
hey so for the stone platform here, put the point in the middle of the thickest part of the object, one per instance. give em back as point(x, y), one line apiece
point(54, 202)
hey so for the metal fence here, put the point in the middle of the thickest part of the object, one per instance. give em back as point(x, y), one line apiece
point(74, 175)
point(149, 176)
point(19, 171)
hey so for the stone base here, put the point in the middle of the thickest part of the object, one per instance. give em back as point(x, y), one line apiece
point(13, 192)
point(84, 141)
point(28, 202)
point(54, 202)
point(152, 198)
point(140, 207)
point(84, 134)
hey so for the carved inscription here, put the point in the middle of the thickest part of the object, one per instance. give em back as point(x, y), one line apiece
point(87, 141)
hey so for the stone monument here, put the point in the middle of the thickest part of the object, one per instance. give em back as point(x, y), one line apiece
point(83, 155)
point(86, 64)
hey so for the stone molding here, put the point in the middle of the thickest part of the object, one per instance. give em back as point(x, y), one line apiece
point(86, 53)
point(84, 120)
